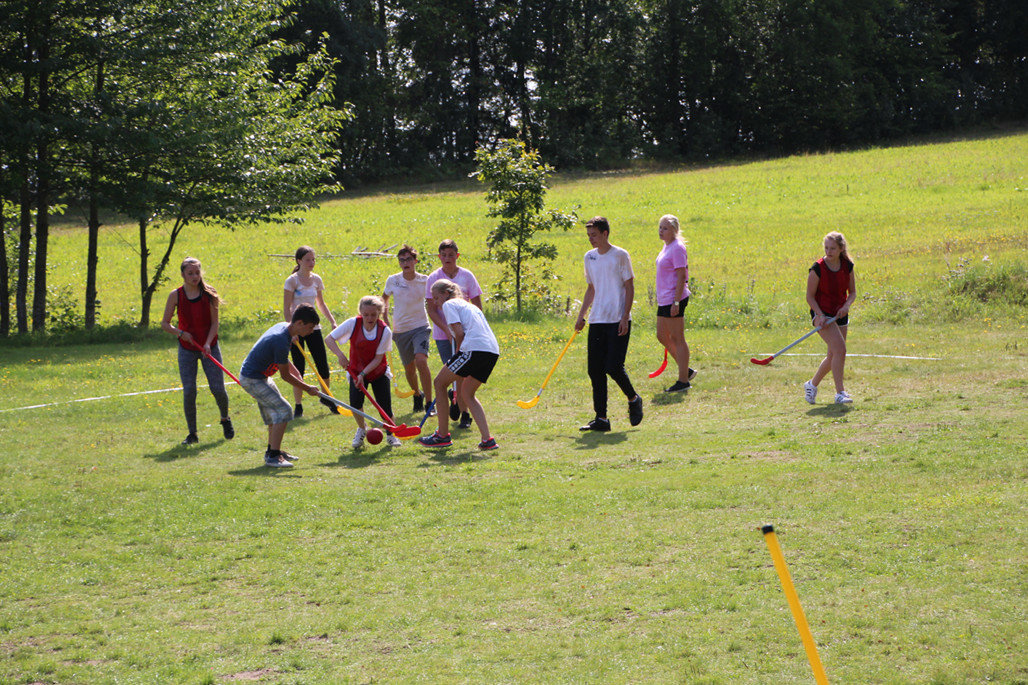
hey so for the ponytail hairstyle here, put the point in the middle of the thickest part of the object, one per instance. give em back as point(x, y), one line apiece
point(447, 287)
point(373, 301)
point(840, 242)
point(205, 287)
point(301, 252)
point(671, 221)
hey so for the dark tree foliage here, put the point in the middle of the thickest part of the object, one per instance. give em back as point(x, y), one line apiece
point(594, 83)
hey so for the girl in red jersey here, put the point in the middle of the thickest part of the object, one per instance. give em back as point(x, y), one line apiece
point(370, 340)
point(197, 304)
point(831, 289)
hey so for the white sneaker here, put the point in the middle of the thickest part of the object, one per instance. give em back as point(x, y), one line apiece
point(393, 441)
point(809, 392)
point(843, 398)
point(358, 437)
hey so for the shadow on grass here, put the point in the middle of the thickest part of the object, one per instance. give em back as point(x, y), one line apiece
point(359, 459)
point(183, 452)
point(663, 399)
point(831, 410)
point(267, 471)
point(448, 456)
point(592, 439)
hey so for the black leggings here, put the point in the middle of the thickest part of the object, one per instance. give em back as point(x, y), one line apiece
point(606, 352)
point(315, 344)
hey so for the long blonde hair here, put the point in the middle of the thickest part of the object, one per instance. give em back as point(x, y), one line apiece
point(840, 242)
point(204, 285)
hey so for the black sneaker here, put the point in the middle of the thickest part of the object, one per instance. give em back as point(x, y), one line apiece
point(288, 457)
point(600, 425)
point(465, 420)
point(679, 386)
point(489, 444)
point(298, 411)
point(635, 411)
point(436, 440)
point(227, 429)
point(419, 404)
point(692, 373)
point(191, 439)
point(328, 403)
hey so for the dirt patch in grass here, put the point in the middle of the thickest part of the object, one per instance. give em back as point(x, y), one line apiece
point(251, 675)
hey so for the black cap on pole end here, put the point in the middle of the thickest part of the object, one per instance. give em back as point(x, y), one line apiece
point(767, 529)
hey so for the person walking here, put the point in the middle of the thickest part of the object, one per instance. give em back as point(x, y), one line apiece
point(831, 290)
point(608, 299)
point(672, 299)
point(197, 304)
point(470, 291)
point(306, 287)
point(410, 324)
point(476, 352)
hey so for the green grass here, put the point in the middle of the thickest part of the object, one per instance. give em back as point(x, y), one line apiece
point(633, 556)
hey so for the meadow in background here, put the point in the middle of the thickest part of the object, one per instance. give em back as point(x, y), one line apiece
point(633, 556)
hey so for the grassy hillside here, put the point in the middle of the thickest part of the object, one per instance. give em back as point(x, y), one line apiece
point(628, 557)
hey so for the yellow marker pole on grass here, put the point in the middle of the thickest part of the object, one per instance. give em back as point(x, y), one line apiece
point(794, 604)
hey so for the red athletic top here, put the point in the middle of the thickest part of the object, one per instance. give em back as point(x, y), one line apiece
point(194, 316)
point(363, 351)
point(833, 287)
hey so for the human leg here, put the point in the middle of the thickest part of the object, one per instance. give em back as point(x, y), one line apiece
point(835, 359)
point(300, 362)
point(468, 388)
point(187, 361)
point(596, 366)
point(425, 375)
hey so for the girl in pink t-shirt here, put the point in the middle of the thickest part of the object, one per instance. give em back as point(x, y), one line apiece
point(672, 299)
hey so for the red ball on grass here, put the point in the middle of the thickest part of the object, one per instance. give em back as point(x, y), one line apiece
point(374, 436)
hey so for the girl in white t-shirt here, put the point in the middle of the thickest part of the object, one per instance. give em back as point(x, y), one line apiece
point(475, 353)
point(305, 287)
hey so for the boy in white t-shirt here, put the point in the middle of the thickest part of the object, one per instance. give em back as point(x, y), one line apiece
point(609, 291)
point(410, 325)
point(471, 292)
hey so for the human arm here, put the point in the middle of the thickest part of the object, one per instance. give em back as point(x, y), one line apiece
point(169, 311)
point(458, 335)
point(436, 315)
point(812, 281)
point(477, 301)
point(212, 333)
point(629, 299)
point(287, 305)
point(324, 307)
point(587, 301)
point(291, 376)
point(340, 333)
point(845, 308)
point(679, 290)
point(385, 314)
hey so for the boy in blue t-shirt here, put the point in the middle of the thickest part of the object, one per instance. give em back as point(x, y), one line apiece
point(270, 354)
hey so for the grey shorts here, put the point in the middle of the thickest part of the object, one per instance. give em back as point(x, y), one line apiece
point(274, 408)
point(411, 343)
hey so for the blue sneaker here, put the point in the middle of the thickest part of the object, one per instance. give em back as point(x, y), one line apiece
point(489, 444)
point(436, 440)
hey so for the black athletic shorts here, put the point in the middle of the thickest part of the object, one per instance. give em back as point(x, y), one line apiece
point(665, 311)
point(478, 365)
point(842, 320)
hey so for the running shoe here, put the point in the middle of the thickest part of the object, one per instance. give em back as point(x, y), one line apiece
point(276, 461)
point(419, 403)
point(287, 456)
point(228, 429)
point(393, 441)
point(635, 411)
point(809, 392)
point(843, 398)
point(191, 439)
point(679, 386)
point(597, 424)
point(298, 411)
point(328, 403)
point(489, 444)
point(358, 437)
point(692, 373)
point(465, 420)
point(436, 440)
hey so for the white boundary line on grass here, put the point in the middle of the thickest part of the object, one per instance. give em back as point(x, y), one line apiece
point(109, 397)
point(849, 354)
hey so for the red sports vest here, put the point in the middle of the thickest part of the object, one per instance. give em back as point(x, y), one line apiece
point(363, 351)
point(194, 316)
point(832, 286)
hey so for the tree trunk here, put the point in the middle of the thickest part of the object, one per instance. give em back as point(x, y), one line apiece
point(144, 291)
point(94, 217)
point(5, 285)
point(21, 295)
point(43, 179)
point(517, 277)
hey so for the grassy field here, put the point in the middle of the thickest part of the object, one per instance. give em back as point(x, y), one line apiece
point(628, 557)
